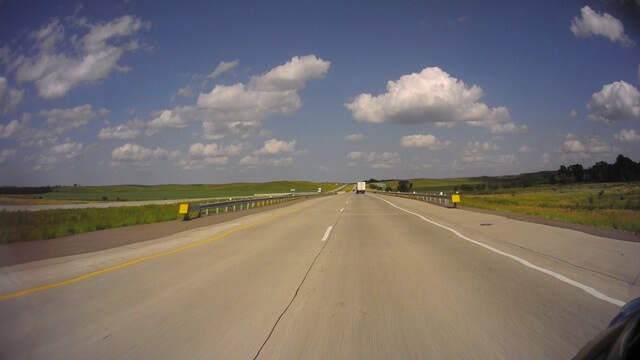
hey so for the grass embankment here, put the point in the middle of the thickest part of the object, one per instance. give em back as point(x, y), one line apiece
point(161, 192)
point(610, 205)
point(48, 224)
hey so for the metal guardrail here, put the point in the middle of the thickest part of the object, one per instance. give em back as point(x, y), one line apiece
point(446, 200)
point(239, 204)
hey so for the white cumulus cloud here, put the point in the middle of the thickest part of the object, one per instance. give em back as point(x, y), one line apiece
point(63, 120)
point(6, 155)
point(132, 154)
point(213, 149)
point(384, 160)
point(239, 103)
point(591, 23)
point(431, 96)
point(97, 55)
point(68, 150)
point(526, 149)
point(12, 128)
point(354, 137)
point(428, 141)
point(9, 98)
point(292, 75)
point(627, 135)
point(576, 149)
point(616, 101)
point(275, 146)
point(275, 92)
point(127, 131)
point(167, 119)
point(250, 160)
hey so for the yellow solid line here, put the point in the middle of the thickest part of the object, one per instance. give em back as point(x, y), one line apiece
point(135, 261)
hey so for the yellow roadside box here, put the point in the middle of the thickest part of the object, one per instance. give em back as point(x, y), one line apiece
point(455, 198)
point(184, 208)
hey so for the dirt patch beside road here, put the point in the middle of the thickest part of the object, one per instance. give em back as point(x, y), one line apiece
point(18, 253)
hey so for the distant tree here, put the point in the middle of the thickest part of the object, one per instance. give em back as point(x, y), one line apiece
point(564, 176)
point(389, 189)
point(404, 186)
point(371, 180)
point(624, 169)
point(577, 171)
point(467, 187)
point(599, 172)
point(373, 186)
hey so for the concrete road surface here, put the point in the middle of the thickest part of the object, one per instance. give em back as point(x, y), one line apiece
point(340, 277)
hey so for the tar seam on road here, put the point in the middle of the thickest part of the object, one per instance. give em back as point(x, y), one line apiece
point(591, 291)
point(149, 257)
point(297, 290)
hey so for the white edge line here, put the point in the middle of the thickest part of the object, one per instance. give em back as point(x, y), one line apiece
point(563, 278)
point(327, 233)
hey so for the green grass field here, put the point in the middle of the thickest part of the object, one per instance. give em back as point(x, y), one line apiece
point(160, 192)
point(609, 205)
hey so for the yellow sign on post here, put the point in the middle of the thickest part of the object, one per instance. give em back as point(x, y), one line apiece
point(455, 198)
point(184, 208)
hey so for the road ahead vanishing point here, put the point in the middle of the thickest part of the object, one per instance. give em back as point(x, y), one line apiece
point(338, 277)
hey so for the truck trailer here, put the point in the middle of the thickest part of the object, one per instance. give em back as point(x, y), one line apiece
point(360, 187)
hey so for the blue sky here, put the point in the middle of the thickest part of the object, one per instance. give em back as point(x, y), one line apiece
point(243, 91)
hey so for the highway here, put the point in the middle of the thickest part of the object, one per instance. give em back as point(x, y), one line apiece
point(337, 277)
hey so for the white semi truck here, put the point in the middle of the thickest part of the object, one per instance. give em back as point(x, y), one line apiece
point(360, 187)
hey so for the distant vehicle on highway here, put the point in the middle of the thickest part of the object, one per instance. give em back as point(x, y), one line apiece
point(621, 340)
point(360, 187)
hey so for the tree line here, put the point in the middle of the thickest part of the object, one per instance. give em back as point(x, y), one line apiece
point(624, 169)
point(17, 190)
point(403, 185)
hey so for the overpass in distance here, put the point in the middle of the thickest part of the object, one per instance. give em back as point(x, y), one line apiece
point(336, 277)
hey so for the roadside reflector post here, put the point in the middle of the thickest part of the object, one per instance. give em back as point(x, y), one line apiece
point(455, 199)
point(184, 209)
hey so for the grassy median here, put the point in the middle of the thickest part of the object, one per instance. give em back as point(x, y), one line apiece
point(48, 224)
point(66, 194)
